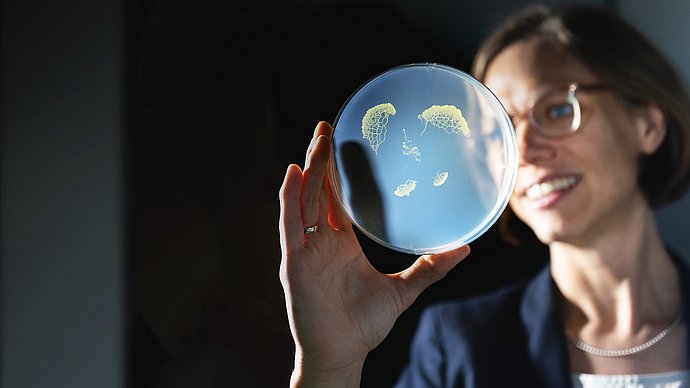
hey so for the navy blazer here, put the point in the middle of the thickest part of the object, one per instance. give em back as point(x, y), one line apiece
point(510, 338)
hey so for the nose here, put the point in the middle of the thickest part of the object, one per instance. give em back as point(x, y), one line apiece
point(533, 147)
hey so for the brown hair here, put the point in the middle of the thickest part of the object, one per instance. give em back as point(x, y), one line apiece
point(621, 55)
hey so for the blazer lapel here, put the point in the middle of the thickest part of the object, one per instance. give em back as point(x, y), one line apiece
point(546, 342)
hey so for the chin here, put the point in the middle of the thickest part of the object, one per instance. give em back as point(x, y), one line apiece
point(546, 237)
point(549, 231)
point(551, 235)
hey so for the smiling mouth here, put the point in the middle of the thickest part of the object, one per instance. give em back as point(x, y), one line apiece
point(544, 189)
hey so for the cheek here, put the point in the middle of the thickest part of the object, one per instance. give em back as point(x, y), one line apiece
point(617, 163)
point(615, 146)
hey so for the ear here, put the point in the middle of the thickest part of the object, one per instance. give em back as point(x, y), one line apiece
point(652, 128)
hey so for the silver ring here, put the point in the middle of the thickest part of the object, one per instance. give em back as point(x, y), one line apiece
point(311, 229)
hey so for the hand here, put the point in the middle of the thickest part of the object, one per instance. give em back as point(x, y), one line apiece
point(339, 306)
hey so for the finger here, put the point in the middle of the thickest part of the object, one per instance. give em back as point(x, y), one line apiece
point(322, 128)
point(427, 270)
point(290, 225)
point(313, 180)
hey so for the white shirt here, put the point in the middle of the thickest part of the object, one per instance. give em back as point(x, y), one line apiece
point(678, 379)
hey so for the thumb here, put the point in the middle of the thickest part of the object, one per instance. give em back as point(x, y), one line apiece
point(427, 270)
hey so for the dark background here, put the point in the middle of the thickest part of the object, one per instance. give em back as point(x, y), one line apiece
point(222, 99)
point(143, 145)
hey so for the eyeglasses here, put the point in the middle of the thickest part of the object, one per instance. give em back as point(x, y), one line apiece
point(556, 111)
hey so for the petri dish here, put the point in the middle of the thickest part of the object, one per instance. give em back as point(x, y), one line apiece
point(424, 158)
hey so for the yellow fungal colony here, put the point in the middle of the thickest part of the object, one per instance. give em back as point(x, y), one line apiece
point(446, 117)
point(406, 188)
point(374, 124)
point(440, 178)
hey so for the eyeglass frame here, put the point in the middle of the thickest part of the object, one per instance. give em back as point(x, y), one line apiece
point(573, 88)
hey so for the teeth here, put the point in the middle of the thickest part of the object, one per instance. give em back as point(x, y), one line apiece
point(541, 190)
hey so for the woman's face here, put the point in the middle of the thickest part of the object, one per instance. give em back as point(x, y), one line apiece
point(573, 188)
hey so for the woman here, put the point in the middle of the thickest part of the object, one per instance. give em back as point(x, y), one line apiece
point(603, 133)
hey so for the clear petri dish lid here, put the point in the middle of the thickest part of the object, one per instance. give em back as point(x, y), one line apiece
point(424, 158)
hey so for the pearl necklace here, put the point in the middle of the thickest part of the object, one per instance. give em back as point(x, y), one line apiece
point(587, 348)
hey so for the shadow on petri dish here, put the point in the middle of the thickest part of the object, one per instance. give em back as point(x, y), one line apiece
point(365, 194)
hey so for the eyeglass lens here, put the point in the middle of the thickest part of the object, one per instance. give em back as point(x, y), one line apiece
point(556, 113)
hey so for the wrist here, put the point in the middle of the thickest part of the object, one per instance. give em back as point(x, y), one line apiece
point(313, 374)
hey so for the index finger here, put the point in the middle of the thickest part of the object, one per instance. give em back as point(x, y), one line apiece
point(290, 224)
